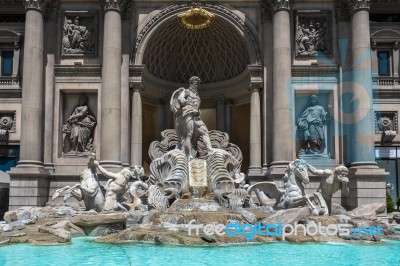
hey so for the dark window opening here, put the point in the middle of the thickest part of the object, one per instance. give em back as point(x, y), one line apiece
point(7, 63)
point(384, 63)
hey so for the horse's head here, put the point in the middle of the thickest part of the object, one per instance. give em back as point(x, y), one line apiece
point(300, 172)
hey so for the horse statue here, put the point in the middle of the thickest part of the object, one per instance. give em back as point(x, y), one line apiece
point(292, 195)
point(89, 189)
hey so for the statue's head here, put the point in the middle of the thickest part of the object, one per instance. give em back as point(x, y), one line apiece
point(76, 21)
point(126, 172)
point(314, 99)
point(194, 81)
point(341, 172)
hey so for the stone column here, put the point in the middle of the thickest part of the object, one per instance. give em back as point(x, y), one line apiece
point(136, 130)
point(282, 143)
point(51, 44)
point(367, 180)
point(264, 123)
point(396, 64)
point(110, 126)
point(29, 184)
point(361, 87)
point(255, 132)
point(32, 92)
point(221, 114)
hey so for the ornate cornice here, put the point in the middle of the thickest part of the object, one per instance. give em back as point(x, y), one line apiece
point(40, 5)
point(115, 5)
point(276, 5)
point(359, 4)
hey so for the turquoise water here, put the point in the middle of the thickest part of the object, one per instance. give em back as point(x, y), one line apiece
point(84, 251)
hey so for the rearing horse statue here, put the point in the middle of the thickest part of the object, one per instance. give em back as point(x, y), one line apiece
point(292, 195)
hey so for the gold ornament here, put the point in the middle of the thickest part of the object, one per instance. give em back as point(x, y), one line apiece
point(195, 18)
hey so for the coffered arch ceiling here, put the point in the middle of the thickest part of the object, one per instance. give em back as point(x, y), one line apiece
point(215, 54)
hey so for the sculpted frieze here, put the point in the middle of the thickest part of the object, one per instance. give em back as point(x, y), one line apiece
point(79, 33)
point(313, 33)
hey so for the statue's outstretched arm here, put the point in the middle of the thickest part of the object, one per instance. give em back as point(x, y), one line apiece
point(105, 172)
point(315, 171)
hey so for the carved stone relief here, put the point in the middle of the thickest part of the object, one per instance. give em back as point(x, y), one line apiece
point(79, 130)
point(313, 33)
point(79, 33)
point(386, 124)
point(385, 120)
point(7, 125)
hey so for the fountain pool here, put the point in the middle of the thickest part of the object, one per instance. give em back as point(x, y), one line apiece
point(84, 251)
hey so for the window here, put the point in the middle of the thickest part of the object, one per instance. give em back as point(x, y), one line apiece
point(7, 63)
point(383, 63)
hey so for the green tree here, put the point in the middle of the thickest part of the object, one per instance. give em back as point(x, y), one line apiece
point(389, 202)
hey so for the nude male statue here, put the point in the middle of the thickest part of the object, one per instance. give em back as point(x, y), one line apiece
point(116, 186)
point(185, 104)
point(331, 181)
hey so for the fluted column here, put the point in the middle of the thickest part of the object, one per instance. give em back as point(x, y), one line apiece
point(282, 144)
point(110, 126)
point(363, 119)
point(136, 130)
point(255, 132)
point(33, 88)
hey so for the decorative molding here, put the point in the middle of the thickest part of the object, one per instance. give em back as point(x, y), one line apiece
point(373, 45)
point(8, 120)
point(80, 34)
point(276, 5)
point(115, 5)
point(7, 125)
point(313, 33)
point(77, 71)
point(174, 8)
point(359, 4)
point(256, 77)
point(314, 70)
point(42, 6)
point(386, 120)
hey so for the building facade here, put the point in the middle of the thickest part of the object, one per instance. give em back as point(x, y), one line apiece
point(286, 79)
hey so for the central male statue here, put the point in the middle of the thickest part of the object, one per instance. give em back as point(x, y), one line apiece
point(185, 104)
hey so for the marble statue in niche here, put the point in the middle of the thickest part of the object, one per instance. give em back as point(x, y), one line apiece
point(78, 139)
point(312, 34)
point(311, 128)
point(77, 38)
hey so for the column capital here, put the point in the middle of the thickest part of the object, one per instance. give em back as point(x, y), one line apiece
point(136, 86)
point(357, 5)
point(396, 45)
point(255, 87)
point(42, 6)
point(115, 5)
point(277, 5)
